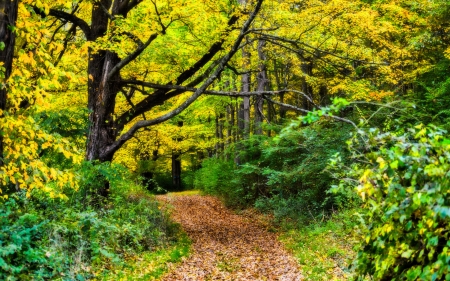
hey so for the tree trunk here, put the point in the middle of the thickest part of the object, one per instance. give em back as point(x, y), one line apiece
point(230, 128)
point(102, 91)
point(176, 170)
point(246, 100)
point(221, 127)
point(307, 67)
point(262, 86)
point(148, 174)
point(280, 86)
point(176, 164)
point(8, 18)
point(217, 145)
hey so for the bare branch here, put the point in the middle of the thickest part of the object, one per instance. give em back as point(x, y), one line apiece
point(307, 111)
point(67, 17)
point(215, 93)
point(296, 43)
point(161, 95)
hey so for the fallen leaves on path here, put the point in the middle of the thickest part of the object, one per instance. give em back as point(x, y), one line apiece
point(226, 246)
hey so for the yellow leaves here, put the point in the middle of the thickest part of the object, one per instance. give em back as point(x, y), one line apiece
point(23, 166)
point(382, 162)
point(46, 145)
point(447, 53)
point(231, 247)
point(387, 228)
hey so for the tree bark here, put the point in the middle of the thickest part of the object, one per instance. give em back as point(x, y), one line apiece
point(279, 75)
point(221, 127)
point(176, 164)
point(176, 170)
point(8, 18)
point(246, 100)
point(217, 145)
point(307, 68)
point(262, 86)
point(101, 92)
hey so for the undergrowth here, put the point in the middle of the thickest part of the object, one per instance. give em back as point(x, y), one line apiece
point(150, 265)
point(43, 238)
point(325, 248)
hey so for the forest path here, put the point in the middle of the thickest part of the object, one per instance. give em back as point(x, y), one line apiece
point(226, 246)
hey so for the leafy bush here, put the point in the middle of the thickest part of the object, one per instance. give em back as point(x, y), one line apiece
point(404, 182)
point(74, 239)
point(219, 177)
point(21, 256)
point(286, 174)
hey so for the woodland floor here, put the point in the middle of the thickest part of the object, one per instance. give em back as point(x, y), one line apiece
point(227, 246)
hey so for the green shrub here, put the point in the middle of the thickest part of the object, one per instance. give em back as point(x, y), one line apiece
point(286, 174)
point(21, 256)
point(47, 238)
point(219, 177)
point(404, 181)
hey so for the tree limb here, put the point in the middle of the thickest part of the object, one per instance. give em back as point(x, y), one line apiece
point(307, 111)
point(131, 56)
point(159, 95)
point(224, 60)
point(84, 26)
point(215, 93)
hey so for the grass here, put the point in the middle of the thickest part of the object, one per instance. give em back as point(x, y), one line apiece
point(184, 193)
point(324, 249)
point(150, 265)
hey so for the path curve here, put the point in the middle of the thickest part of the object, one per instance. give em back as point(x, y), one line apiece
point(227, 246)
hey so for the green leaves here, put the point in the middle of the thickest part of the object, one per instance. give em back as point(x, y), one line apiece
point(406, 189)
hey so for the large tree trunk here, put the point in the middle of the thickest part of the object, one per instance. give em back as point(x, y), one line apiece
point(8, 18)
point(102, 92)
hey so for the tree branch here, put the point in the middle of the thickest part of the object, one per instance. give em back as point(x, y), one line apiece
point(215, 93)
point(131, 56)
point(145, 123)
point(295, 44)
point(307, 111)
point(159, 95)
point(67, 17)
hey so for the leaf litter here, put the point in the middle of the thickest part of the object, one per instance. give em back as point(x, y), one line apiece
point(227, 246)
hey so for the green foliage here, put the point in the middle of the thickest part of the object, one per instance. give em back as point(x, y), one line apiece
point(286, 174)
point(403, 179)
point(73, 239)
point(150, 265)
point(218, 177)
point(324, 249)
point(21, 258)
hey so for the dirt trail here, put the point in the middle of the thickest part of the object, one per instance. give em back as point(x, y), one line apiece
point(227, 246)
